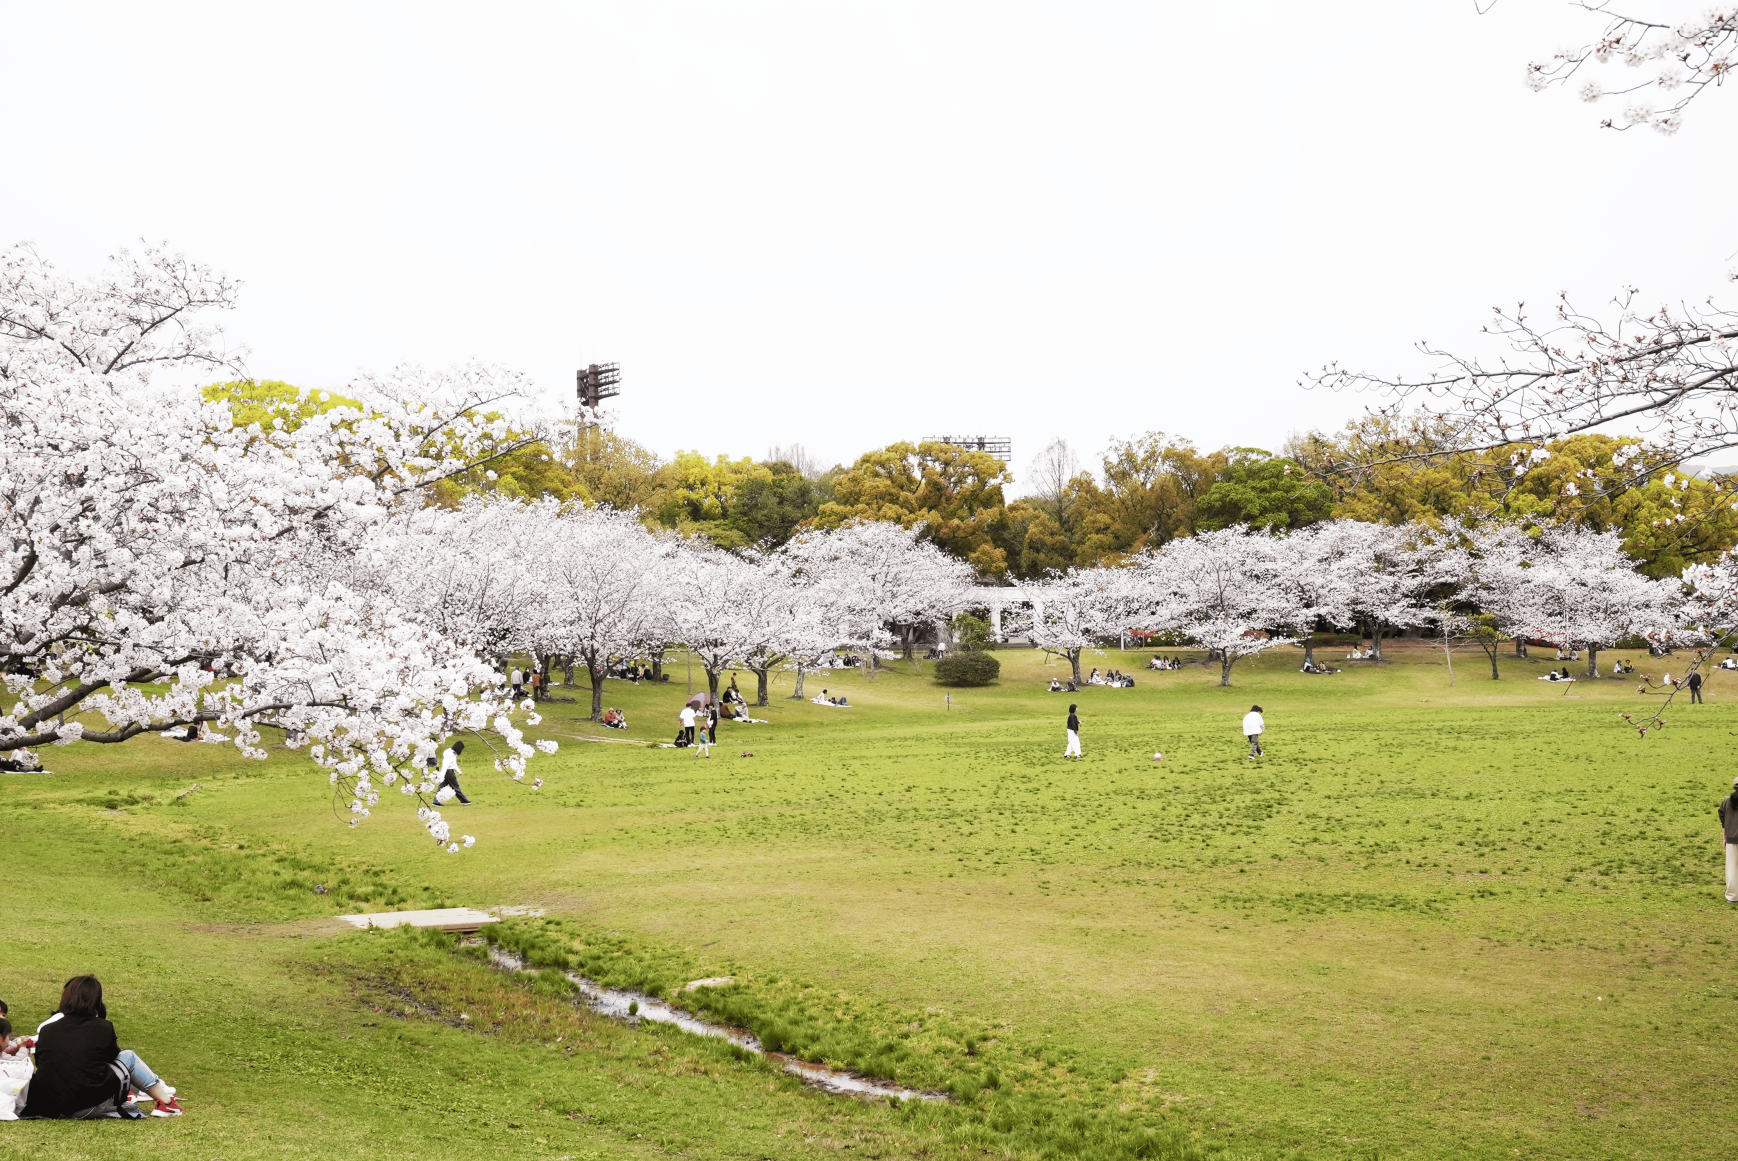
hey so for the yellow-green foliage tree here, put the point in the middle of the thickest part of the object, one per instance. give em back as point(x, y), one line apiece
point(264, 401)
point(612, 469)
point(1668, 518)
point(530, 473)
point(955, 493)
point(1152, 484)
point(1266, 492)
point(697, 496)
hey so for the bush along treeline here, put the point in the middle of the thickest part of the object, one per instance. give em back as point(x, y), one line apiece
point(968, 668)
point(1005, 1091)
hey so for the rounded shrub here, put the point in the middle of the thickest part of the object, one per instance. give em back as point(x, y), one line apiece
point(968, 669)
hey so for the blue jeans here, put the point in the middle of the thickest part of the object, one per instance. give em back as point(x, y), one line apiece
point(143, 1078)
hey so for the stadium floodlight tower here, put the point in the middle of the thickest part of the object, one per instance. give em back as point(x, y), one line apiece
point(597, 382)
point(1000, 446)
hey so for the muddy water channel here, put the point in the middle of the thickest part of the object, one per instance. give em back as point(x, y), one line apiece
point(631, 1007)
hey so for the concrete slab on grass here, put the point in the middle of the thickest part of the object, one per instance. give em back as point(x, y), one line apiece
point(450, 919)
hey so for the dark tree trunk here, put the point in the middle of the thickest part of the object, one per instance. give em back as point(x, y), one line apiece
point(657, 656)
point(1309, 645)
point(1225, 663)
point(712, 683)
point(1520, 647)
point(1073, 656)
point(760, 676)
point(596, 671)
point(802, 671)
point(1593, 662)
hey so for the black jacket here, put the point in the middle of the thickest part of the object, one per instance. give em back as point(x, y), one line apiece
point(73, 1056)
point(1729, 817)
point(1074, 723)
point(1695, 681)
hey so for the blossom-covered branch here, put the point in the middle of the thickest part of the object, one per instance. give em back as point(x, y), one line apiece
point(1671, 375)
point(1679, 60)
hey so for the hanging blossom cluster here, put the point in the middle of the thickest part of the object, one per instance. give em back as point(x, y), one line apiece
point(163, 566)
point(1679, 59)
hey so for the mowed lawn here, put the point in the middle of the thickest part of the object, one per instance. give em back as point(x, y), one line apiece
point(1435, 921)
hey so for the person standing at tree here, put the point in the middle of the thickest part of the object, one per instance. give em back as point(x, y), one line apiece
point(1073, 750)
point(687, 719)
point(1729, 831)
point(1254, 725)
point(1694, 684)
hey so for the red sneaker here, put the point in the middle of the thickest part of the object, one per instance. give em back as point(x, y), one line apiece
point(172, 1109)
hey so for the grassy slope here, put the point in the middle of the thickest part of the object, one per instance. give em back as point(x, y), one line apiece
point(1391, 934)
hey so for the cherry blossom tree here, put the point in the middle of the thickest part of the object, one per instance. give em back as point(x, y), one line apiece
point(1076, 610)
point(153, 541)
point(1574, 587)
point(871, 576)
point(1221, 589)
point(777, 618)
point(703, 609)
point(1395, 572)
point(1670, 373)
point(469, 570)
point(1319, 567)
point(607, 585)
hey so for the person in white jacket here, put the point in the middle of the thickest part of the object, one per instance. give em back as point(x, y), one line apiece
point(1253, 728)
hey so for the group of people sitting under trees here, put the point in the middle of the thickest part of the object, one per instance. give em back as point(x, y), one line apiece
point(74, 1068)
point(1114, 678)
point(1159, 662)
point(733, 707)
point(629, 671)
point(1311, 665)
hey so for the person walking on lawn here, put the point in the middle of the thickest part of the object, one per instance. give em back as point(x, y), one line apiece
point(1073, 750)
point(1694, 684)
point(450, 774)
point(1729, 832)
point(1253, 727)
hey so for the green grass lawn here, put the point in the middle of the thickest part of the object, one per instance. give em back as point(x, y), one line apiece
point(1435, 921)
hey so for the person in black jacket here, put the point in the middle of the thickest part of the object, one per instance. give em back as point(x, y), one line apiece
point(1073, 750)
point(81, 1071)
point(1694, 685)
point(1729, 832)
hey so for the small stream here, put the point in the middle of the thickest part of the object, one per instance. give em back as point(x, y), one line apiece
point(615, 1004)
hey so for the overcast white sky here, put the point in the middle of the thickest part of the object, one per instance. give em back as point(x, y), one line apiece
point(846, 225)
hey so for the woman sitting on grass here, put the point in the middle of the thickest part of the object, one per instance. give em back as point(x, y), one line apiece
point(82, 1073)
